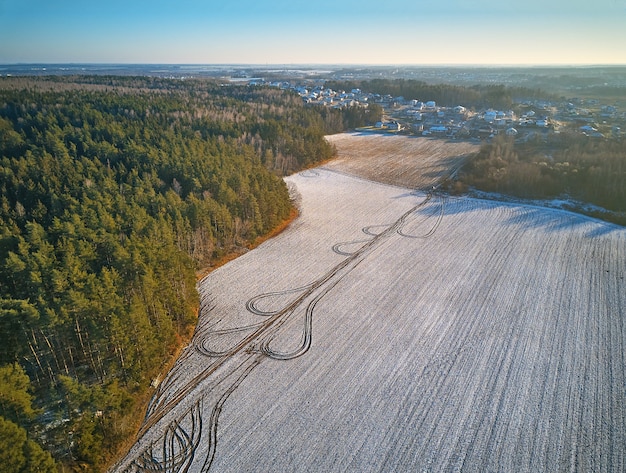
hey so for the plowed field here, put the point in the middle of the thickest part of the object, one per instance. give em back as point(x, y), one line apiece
point(389, 330)
point(414, 162)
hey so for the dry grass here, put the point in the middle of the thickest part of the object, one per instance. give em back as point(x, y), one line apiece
point(443, 335)
point(416, 163)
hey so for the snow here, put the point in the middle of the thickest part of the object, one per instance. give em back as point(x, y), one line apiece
point(429, 333)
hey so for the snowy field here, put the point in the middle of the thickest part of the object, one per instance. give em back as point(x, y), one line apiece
point(393, 331)
point(390, 331)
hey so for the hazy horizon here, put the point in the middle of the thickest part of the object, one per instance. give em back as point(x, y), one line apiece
point(341, 32)
point(327, 64)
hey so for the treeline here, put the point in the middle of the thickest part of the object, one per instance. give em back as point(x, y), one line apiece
point(585, 169)
point(110, 200)
point(476, 96)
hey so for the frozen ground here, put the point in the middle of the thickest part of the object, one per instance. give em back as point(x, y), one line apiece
point(393, 331)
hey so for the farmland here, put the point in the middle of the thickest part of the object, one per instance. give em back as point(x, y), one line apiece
point(392, 330)
point(418, 163)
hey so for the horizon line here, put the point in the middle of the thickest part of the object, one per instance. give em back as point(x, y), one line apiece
point(309, 64)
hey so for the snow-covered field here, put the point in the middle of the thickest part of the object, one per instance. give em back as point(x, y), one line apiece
point(393, 331)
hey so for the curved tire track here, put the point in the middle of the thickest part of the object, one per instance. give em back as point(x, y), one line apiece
point(176, 450)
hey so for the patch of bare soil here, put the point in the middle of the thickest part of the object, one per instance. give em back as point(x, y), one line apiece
point(414, 162)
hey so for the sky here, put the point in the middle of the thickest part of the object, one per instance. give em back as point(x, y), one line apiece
point(451, 32)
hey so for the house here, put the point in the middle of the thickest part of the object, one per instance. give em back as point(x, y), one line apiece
point(490, 116)
point(414, 114)
point(394, 126)
point(485, 132)
point(438, 130)
point(389, 125)
point(525, 121)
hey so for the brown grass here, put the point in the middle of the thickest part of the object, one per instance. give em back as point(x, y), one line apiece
point(413, 162)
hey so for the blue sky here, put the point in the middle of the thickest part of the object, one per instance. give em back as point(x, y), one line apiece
point(313, 32)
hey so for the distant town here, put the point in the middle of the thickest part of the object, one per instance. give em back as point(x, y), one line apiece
point(592, 99)
point(425, 117)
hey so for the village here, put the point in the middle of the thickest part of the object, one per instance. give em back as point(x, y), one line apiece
point(531, 118)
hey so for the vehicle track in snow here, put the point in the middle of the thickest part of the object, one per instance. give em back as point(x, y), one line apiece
point(176, 448)
point(460, 336)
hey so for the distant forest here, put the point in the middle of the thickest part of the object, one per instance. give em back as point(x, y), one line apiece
point(476, 96)
point(586, 169)
point(114, 192)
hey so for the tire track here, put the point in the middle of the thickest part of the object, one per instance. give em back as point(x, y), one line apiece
point(437, 210)
point(314, 292)
point(177, 448)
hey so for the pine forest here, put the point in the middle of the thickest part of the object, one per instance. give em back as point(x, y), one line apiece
point(115, 193)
